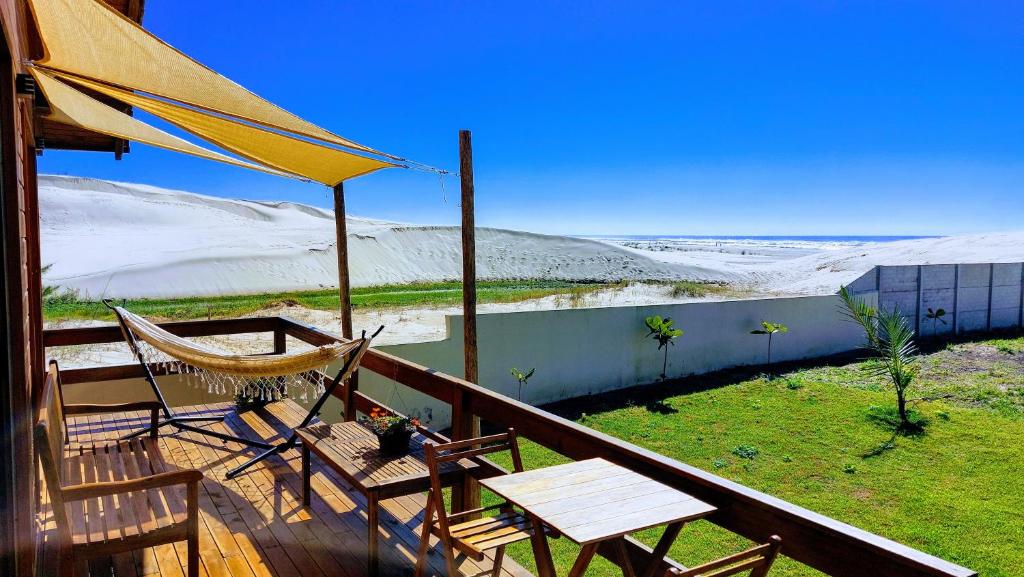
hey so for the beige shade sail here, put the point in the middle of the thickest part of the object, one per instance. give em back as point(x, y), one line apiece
point(321, 163)
point(88, 38)
point(69, 106)
point(250, 366)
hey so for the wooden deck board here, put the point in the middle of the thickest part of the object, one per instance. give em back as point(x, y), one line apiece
point(255, 525)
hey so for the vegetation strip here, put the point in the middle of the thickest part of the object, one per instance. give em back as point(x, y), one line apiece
point(67, 305)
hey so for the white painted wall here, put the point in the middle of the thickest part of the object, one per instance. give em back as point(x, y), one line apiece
point(584, 351)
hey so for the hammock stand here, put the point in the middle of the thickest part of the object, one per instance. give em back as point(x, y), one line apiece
point(183, 422)
point(293, 440)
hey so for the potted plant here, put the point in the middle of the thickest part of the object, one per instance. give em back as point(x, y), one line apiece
point(393, 431)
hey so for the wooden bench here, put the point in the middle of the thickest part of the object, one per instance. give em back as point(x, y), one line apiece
point(113, 498)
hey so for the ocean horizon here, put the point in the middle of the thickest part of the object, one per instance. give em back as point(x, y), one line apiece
point(787, 243)
point(805, 238)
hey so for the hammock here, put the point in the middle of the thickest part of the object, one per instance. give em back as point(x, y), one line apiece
point(268, 376)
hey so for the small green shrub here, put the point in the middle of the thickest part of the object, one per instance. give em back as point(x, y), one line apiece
point(695, 289)
point(663, 331)
point(849, 469)
point(719, 463)
point(745, 451)
point(522, 377)
point(770, 329)
point(1008, 348)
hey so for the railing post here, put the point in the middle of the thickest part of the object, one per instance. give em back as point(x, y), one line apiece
point(464, 495)
point(280, 341)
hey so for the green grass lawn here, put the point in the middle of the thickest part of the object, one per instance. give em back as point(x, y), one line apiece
point(956, 491)
point(66, 307)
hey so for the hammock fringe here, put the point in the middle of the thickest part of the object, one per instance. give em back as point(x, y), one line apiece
point(268, 376)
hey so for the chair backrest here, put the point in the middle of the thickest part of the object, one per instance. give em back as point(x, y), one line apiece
point(437, 454)
point(50, 432)
point(50, 438)
point(757, 560)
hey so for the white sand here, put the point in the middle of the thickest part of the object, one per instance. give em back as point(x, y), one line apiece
point(825, 272)
point(108, 239)
point(800, 268)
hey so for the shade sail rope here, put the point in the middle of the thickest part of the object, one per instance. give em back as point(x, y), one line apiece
point(268, 376)
point(72, 107)
point(90, 39)
point(283, 152)
point(88, 42)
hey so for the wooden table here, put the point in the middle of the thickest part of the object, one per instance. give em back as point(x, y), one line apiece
point(350, 449)
point(594, 501)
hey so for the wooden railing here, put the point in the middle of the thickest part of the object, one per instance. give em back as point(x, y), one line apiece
point(820, 542)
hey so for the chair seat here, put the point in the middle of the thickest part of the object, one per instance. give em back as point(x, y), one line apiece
point(475, 537)
point(124, 516)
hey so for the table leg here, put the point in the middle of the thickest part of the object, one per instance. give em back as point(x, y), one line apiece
point(624, 560)
point(372, 522)
point(661, 549)
point(583, 560)
point(306, 473)
point(541, 551)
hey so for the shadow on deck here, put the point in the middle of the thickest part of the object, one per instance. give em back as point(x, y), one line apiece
point(255, 525)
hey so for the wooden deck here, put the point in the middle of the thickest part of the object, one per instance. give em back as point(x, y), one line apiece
point(255, 525)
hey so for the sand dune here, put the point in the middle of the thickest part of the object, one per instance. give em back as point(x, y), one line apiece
point(825, 272)
point(107, 239)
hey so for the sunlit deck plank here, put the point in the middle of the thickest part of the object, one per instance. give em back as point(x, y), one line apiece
point(255, 524)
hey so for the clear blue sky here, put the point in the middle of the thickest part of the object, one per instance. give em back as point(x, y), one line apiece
point(817, 117)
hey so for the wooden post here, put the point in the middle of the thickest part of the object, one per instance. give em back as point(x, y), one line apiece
point(468, 256)
point(469, 425)
point(345, 292)
point(341, 233)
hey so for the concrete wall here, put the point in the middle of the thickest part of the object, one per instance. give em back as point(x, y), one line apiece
point(583, 351)
point(976, 297)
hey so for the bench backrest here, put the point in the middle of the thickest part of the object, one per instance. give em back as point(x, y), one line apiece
point(50, 438)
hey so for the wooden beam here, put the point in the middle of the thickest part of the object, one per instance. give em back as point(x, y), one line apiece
point(202, 328)
point(468, 255)
point(344, 291)
point(341, 236)
point(466, 425)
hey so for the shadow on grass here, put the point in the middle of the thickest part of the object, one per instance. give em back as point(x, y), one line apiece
point(653, 396)
point(660, 407)
point(888, 418)
point(928, 345)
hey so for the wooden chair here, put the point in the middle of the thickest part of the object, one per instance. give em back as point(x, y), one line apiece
point(758, 560)
point(477, 535)
point(109, 499)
